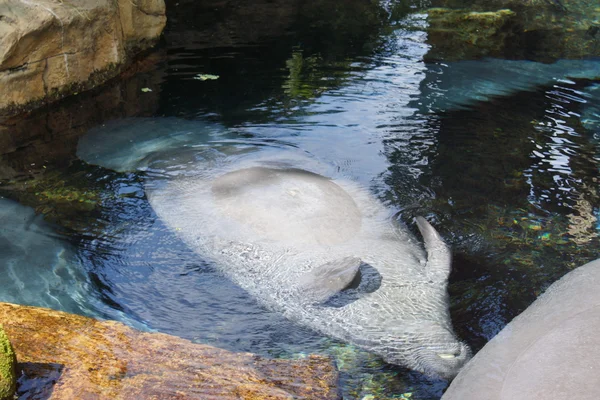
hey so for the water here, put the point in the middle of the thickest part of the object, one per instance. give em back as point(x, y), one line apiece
point(506, 169)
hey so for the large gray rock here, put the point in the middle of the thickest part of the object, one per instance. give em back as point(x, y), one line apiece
point(550, 351)
point(51, 48)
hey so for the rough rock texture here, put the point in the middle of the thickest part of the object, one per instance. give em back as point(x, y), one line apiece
point(51, 48)
point(550, 351)
point(64, 356)
point(539, 29)
point(8, 362)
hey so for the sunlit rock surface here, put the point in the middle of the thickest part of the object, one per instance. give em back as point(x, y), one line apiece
point(550, 351)
point(64, 356)
point(51, 48)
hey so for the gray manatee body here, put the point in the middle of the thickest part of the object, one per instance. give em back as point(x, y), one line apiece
point(324, 253)
point(550, 351)
point(37, 266)
point(459, 85)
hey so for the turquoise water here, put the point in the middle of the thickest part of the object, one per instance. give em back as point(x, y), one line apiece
point(501, 156)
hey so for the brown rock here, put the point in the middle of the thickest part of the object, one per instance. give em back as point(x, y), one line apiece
point(51, 48)
point(64, 356)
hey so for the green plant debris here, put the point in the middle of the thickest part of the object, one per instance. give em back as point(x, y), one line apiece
point(8, 361)
point(206, 77)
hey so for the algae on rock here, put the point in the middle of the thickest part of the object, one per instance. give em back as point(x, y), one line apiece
point(8, 362)
point(464, 34)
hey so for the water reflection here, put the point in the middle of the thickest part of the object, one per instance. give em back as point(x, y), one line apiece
point(506, 168)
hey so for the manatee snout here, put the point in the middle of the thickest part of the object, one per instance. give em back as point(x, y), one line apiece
point(445, 361)
point(435, 352)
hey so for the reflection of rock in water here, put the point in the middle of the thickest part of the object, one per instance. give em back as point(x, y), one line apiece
point(37, 266)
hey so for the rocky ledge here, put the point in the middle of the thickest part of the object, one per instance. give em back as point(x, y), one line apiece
point(53, 48)
point(65, 356)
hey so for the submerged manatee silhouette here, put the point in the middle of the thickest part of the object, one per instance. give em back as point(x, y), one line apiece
point(323, 252)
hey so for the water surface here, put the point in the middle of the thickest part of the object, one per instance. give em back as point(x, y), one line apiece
point(506, 168)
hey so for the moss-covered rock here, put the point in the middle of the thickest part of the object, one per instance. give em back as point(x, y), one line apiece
point(8, 362)
point(463, 34)
point(537, 29)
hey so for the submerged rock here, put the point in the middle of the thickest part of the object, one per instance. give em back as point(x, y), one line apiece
point(550, 351)
point(53, 48)
point(64, 356)
point(464, 34)
point(537, 29)
point(8, 362)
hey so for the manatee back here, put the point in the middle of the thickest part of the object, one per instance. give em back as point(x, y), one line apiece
point(287, 205)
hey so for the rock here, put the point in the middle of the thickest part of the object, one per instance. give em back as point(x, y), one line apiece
point(51, 48)
point(550, 351)
point(65, 356)
point(464, 34)
point(8, 362)
point(543, 30)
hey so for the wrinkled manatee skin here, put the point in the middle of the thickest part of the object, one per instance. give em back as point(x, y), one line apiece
point(550, 351)
point(292, 238)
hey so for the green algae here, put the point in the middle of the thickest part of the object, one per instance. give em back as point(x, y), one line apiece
point(460, 29)
point(8, 362)
point(462, 34)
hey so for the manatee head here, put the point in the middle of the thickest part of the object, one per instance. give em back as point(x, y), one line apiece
point(410, 326)
point(428, 347)
point(406, 319)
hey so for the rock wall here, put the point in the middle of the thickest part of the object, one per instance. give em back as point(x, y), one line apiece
point(52, 48)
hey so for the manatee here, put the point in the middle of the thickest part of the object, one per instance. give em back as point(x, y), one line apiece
point(38, 267)
point(130, 143)
point(550, 351)
point(458, 85)
point(323, 252)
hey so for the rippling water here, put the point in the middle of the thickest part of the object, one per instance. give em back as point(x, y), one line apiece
point(505, 167)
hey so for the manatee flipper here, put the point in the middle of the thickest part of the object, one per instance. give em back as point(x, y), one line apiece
point(321, 283)
point(439, 257)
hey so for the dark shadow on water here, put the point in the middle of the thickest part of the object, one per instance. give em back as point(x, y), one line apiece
point(37, 380)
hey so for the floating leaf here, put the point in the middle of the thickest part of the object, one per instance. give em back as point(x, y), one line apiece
point(206, 77)
point(146, 90)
